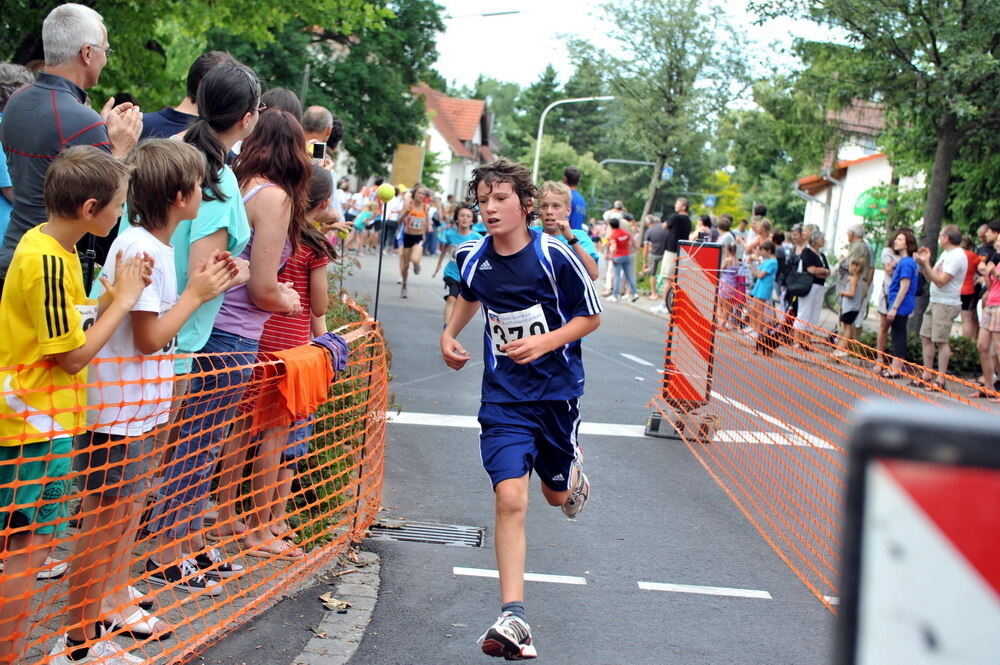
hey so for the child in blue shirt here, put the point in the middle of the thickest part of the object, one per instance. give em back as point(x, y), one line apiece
point(763, 288)
point(538, 302)
point(451, 240)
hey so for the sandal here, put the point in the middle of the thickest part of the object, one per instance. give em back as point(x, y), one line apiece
point(139, 598)
point(140, 625)
point(286, 550)
point(889, 374)
point(935, 387)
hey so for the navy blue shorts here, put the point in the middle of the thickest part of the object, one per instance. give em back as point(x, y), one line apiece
point(539, 436)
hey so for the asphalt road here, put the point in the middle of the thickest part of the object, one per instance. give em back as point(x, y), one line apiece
point(655, 516)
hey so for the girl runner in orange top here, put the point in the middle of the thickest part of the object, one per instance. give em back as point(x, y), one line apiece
point(413, 221)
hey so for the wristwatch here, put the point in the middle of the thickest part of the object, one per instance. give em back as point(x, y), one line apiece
point(573, 241)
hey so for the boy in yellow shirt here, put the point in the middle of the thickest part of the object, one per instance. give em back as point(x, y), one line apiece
point(50, 332)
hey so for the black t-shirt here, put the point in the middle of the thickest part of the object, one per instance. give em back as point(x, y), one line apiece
point(678, 228)
point(989, 254)
point(812, 259)
point(657, 239)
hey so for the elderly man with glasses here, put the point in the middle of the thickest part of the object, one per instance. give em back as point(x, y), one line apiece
point(45, 118)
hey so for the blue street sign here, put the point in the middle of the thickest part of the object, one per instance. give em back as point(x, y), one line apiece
point(709, 201)
point(667, 173)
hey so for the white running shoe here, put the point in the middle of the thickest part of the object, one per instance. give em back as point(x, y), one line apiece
point(510, 638)
point(579, 492)
point(104, 652)
point(52, 570)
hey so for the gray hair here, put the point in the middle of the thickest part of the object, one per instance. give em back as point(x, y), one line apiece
point(816, 236)
point(67, 29)
point(316, 120)
point(858, 230)
point(12, 79)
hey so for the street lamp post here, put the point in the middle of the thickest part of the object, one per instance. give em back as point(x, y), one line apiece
point(541, 124)
point(593, 185)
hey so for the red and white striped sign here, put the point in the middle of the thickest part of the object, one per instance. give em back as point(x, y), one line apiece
point(689, 360)
point(929, 591)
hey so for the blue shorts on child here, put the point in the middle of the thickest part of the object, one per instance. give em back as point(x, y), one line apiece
point(520, 437)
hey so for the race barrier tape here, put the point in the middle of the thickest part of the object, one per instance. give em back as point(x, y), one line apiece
point(264, 496)
point(767, 410)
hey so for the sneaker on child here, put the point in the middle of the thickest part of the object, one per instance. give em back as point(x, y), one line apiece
point(213, 565)
point(579, 492)
point(510, 638)
point(185, 577)
point(104, 652)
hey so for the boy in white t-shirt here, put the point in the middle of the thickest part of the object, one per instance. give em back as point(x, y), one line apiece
point(130, 389)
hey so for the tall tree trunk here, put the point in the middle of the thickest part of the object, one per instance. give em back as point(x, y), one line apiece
point(654, 184)
point(948, 140)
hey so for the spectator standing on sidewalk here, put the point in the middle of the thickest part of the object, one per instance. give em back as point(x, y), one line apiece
point(12, 79)
point(852, 287)
point(621, 242)
point(653, 248)
point(945, 279)
point(578, 204)
point(901, 297)
point(169, 121)
point(678, 228)
point(969, 294)
point(52, 114)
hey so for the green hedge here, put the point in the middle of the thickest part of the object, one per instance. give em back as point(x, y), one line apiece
point(964, 355)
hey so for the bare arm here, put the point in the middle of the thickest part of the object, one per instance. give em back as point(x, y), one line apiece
point(441, 254)
point(319, 295)
point(129, 283)
point(270, 213)
point(8, 193)
point(455, 356)
point(152, 332)
point(529, 349)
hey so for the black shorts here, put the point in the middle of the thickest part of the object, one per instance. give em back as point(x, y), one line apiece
point(969, 302)
point(847, 318)
point(451, 288)
point(412, 240)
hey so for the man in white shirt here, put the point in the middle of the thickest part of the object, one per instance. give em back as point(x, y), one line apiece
point(945, 280)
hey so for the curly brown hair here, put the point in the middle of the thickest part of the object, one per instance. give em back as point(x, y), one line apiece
point(512, 173)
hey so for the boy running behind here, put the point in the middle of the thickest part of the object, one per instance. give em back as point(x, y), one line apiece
point(538, 303)
point(51, 332)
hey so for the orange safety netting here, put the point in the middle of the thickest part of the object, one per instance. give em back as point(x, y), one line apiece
point(305, 486)
point(773, 431)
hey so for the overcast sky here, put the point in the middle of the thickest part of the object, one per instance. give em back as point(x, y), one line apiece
point(517, 47)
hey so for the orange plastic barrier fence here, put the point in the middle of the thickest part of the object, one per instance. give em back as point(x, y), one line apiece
point(773, 429)
point(249, 497)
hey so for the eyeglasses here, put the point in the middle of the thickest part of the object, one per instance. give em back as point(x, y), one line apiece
point(107, 49)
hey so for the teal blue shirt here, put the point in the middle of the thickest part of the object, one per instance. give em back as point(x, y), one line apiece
point(585, 242)
point(212, 216)
point(452, 238)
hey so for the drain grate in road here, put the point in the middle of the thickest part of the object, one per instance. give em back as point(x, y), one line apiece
point(428, 532)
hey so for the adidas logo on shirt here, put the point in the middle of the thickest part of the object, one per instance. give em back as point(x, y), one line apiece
point(485, 265)
point(558, 478)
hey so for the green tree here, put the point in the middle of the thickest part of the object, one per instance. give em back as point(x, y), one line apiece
point(156, 40)
point(501, 101)
point(367, 84)
point(671, 76)
point(934, 63)
point(530, 104)
point(772, 145)
point(557, 155)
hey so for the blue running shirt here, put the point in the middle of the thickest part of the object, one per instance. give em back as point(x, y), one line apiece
point(536, 290)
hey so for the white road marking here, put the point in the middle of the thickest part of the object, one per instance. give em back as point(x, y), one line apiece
point(807, 439)
point(616, 429)
point(636, 359)
point(528, 577)
point(705, 590)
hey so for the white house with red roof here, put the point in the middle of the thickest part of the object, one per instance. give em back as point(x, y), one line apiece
point(459, 133)
point(843, 193)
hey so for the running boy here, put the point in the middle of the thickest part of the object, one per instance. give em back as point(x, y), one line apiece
point(452, 240)
point(538, 303)
point(553, 206)
point(51, 331)
point(131, 387)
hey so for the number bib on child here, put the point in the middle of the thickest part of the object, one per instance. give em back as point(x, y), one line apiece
point(512, 326)
point(88, 315)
